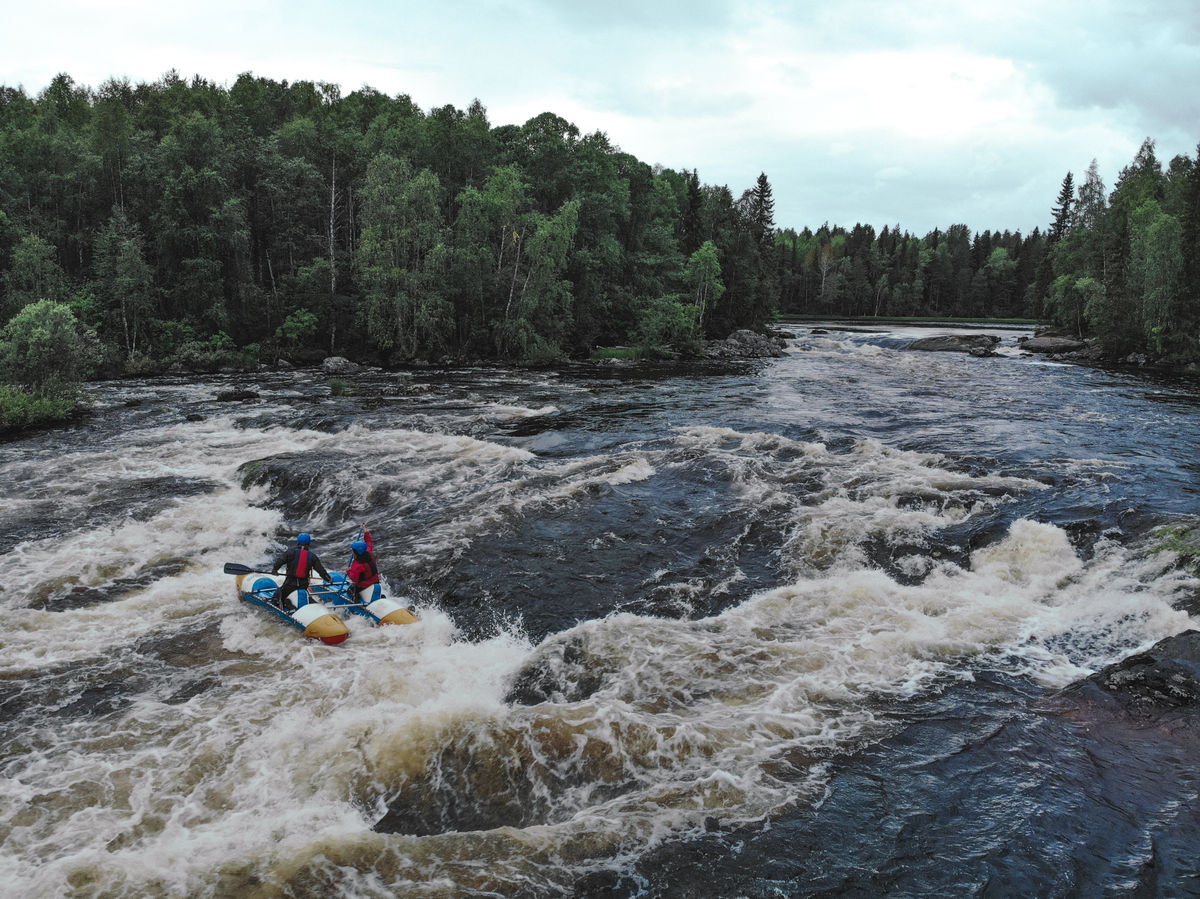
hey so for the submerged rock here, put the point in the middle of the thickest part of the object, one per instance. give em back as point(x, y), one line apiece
point(236, 395)
point(975, 344)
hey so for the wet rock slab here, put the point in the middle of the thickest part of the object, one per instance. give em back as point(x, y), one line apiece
point(1053, 345)
point(1151, 687)
point(975, 344)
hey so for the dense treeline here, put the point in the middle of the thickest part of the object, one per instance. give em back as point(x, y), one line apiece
point(1121, 267)
point(1126, 267)
point(188, 221)
point(945, 273)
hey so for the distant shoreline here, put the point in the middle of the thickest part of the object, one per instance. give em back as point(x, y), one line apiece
point(919, 321)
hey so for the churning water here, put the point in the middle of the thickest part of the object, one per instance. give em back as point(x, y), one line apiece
point(781, 628)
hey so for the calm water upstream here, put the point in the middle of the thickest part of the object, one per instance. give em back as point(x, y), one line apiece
point(785, 628)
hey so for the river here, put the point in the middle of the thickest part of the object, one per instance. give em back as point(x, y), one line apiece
point(791, 627)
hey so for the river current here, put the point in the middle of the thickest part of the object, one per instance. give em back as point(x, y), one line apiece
point(791, 627)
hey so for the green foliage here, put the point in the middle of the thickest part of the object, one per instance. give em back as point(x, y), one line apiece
point(537, 311)
point(625, 353)
point(1074, 301)
point(1183, 540)
point(123, 282)
point(33, 275)
point(668, 321)
point(340, 388)
point(169, 336)
point(177, 210)
point(297, 327)
point(216, 353)
point(20, 409)
point(1126, 267)
point(170, 212)
point(402, 258)
point(1156, 274)
point(45, 350)
point(702, 275)
point(1062, 210)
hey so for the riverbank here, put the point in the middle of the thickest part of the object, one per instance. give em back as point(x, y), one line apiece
point(1054, 345)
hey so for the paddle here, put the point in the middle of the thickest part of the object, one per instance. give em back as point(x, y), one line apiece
point(235, 568)
point(359, 537)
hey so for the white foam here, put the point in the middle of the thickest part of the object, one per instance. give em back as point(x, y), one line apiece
point(289, 750)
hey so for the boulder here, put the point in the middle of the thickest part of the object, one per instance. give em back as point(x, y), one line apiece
point(745, 344)
point(339, 365)
point(1053, 345)
point(235, 395)
point(1167, 676)
point(975, 344)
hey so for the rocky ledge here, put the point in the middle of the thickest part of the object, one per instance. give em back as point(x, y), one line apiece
point(746, 344)
point(1164, 678)
point(975, 344)
point(1148, 703)
point(1052, 345)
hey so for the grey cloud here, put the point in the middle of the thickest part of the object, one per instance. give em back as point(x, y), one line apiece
point(917, 186)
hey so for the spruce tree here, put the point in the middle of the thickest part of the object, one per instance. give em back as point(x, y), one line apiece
point(762, 210)
point(693, 227)
point(1062, 210)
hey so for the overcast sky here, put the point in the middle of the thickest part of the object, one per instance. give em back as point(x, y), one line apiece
point(918, 113)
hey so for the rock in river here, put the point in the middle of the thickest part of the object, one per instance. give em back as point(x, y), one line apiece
point(975, 344)
point(1166, 676)
point(339, 365)
point(1052, 345)
point(745, 344)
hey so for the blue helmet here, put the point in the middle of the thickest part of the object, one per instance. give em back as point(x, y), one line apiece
point(359, 546)
point(303, 539)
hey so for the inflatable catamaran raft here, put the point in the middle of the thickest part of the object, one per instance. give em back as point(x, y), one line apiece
point(315, 611)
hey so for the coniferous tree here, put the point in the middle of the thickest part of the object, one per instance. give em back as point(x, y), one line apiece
point(1062, 210)
point(762, 210)
point(180, 214)
point(693, 226)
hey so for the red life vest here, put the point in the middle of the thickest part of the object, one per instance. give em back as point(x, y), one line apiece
point(363, 574)
point(301, 570)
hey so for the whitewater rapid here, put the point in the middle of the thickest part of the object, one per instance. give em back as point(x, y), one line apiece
point(791, 584)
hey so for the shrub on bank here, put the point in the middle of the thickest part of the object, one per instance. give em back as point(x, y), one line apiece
point(45, 352)
point(623, 353)
point(45, 349)
point(217, 353)
point(22, 409)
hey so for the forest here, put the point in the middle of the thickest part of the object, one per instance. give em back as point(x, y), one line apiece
point(184, 219)
point(185, 223)
point(1120, 267)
